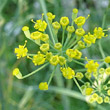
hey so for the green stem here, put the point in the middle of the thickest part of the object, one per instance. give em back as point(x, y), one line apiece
point(42, 2)
point(35, 71)
point(91, 59)
point(28, 54)
point(78, 62)
point(77, 84)
point(52, 74)
point(102, 52)
point(63, 36)
point(71, 41)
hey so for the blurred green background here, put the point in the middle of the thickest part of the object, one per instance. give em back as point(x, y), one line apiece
point(63, 94)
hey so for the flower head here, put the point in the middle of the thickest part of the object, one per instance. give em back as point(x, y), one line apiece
point(81, 44)
point(98, 32)
point(62, 60)
point(75, 10)
point(78, 54)
point(80, 21)
point(95, 96)
point(99, 100)
point(48, 55)
point(64, 21)
point(40, 25)
point(17, 73)
point(107, 59)
point(70, 53)
point(21, 51)
point(107, 71)
point(56, 25)
point(80, 32)
point(36, 35)
point(70, 29)
point(44, 47)
point(68, 73)
point(89, 38)
point(43, 86)
point(58, 46)
point(106, 99)
point(92, 66)
point(50, 16)
point(44, 37)
point(88, 91)
point(54, 60)
point(38, 59)
point(25, 28)
point(79, 75)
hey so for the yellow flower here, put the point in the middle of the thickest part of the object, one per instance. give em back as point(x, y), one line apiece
point(106, 99)
point(43, 86)
point(95, 96)
point(80, 21)
point(17, 73)
point(81, 44)
point(71, 53)
point(88, 91)
point(79, 75)
point(91, 66)
point(25, 28)
point(107, 71)
point(75, 10)
point(64, 21)
point(44, 37)
point(68, 73)
point(54, 60)
point(56, 25)
point(78, 54)
point(26, 31)
point(36, 35)
point(48, 55)
point(108, 92)
point(38, 59)
point(88, 75)
point(107, 59)
point(50, 16)
point(74, 14)
point(44, 47)
point(62, 60)
point(99, 100)
point(70, 29)
point(58, 46)
point(98, 32)
point(21, 51)
point(40, 25)
point(91, 100)
point(89, 38)
point(80, 32)
point(101, 70)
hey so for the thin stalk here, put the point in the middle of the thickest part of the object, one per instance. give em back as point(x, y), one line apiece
point(52, 74)
point(71, 41)
point(77, 84)
point(42, 2)
point(78, 62)
point(35, 71)
point(91, 59)
point(63, 36)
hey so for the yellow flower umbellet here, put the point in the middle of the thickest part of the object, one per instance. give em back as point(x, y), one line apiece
point(21, 51)
point(38, 59)
point(59, 49)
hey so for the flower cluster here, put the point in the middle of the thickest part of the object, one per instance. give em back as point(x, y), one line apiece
point(59, 53)
point(98, 89)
